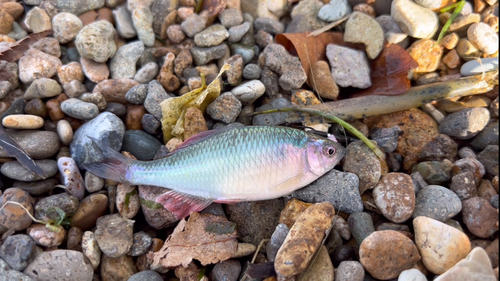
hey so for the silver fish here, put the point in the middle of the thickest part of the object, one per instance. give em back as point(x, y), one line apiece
point(227, 165)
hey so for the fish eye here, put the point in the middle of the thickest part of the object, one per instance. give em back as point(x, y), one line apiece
point(329, 150)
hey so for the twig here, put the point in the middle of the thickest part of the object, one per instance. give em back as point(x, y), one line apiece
point(328, 26)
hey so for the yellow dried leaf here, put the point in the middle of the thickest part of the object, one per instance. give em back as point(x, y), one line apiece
point(174, 109)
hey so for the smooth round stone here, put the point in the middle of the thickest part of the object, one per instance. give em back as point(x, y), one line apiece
point(45, 208)
point(361, 226)
point(384, 262)
point(36, 64)
point(269, 25)
point(237, 32)
point(141, 244)
point(37, 20)
point(202, 56)
point(92, 182)
point(489, 158)
point(94, 71)
point(395, 197)
point(361, 161)
point(23, 121)
point(466, 123)
point(91, 208)
point(43, 88)
point(483, 37)
point(156, 94)
point(480, 217)
point(95, 41)
point(18, 251)
point(350, 271)
point(392, 32)
point(437, 202)
point(414, 20)
point(117, 109)
point(225, 108)
point(120, 268)
point(71, 177)
point(79, 109)
point(147, 73)
point(140, 144)
point(66, 26)
point(475, 267)
point(412, 274)
point(45, 237)
point(211, 36)
point(65, 131)
point(361, 28)
point(249, 91)
point(150, 123)
point(475, 67)
point(114, 235)
point(90, 248)
point(251, 71)
point(60, 265)
point(15, 170)
point(434, 172)
point(123, 22)
point(37, 187)
point(342, 58)
point(488, 136)
point(247, 53)
point(231, 17)
point(226, 270)
point(193, 25)
point(334, 10)
point(122, 65)
point(438, 254)
point(149, 275)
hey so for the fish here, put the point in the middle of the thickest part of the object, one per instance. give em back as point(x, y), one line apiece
point(227, 165)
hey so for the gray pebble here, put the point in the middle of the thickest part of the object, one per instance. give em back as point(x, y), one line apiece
point(361, 161)
point(345, 196)
point(437, 202)
point(494, 201)
point(17, 32)
point(123, 22)
point(38, 144)
point(202, 56)
point(488, 136)
point(249, 91)
point(74, 89)
point(193, 25)
point(141, 244)
point(247, 53)
point(276, 241)
point(299, 24)
point(475, 67)
point(387, 138)
point(92, 182)
point(211, 36)
point(78, 7)
point(122, 65)
point(360, 225)
point(434, 172)
point(18, 251)
point(137, 94)
point(14, 170)
point(117, 109)
point(237, 32)
point(440, 148)
point(349, 67)
point(63, 265)
point(146, 275)
point(418, 181)
point(37, 187)
point(466, 123)
point(156, 94)
point(42, 88)
point(17, 107)
point(147, 73)
point(45, 208)
point(225, 108)
point(392, 32)
point(228, 270)
point(140, 144)
point(79, 109)
point(350, 271)
point(114, 235)
point(333, 241)
point(489, 158)
point(465, 152)
point(334, 10)
point(292, 75)
point(269, 25)
point(106, 128)
point(231, 17)
point(463, 185)
point(150, 123)
point(251, 71)
point(272, 118)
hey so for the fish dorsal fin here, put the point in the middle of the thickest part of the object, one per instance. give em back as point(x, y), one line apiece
point(182, 204)
point(199, 137)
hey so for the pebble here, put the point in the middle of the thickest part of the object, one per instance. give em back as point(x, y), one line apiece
point(69, 72)
point(18, 251)
point(65, 132)
point(437, 202)
point(114, 90)
point(395, 197)
point(37, 64)
point(156, 216)
point(384, 262)
point(13, 216)
point(463, 22)
point(293, 209)
point(156, 94)
point(465, 124)
point(342, 227)
point(292, 75)
point(345, 196)
point(483, 37)
point(450, 41)
point(92, 182)
point(37, 20)
point(452, 59)
point(123, 22)
point(175, 34)
point(91, 208)
point(15, 170)
point(90, 248)
point(392, 32)
point(349, 67)
point(106, 127)
point(440, 148)
point(438, 254)
point(133, 117)
point(237, 32)
point(361, 161)
point(226, 270)
point(489, 158)
point(94, 71)
point(361, 28)
point(141, 244)
point(142, 19)
point(235, 73)
point(480, 217)
point(386, 138)
point(23, 121)
point(324, 83)
point(249, 91)
point(361, 226)
point(225, 108)
point(42, 88)
point(247, 53)
point(463, 185)
point(202, 56)
point(37, 187)
point(309, 9)
point(277, 239)
point(334, 10)
point(6, 22)
point(427, 53)
point(231, 17)
point(412, 274)
point(269, 25)
point(95, 41)
point(350, 271)
point(66, 26)
point(475, 266)
point(487, 136)
point(71, 177)
point(475, 67)
point(46, 237)
point(255, 220)
point(79, 109)
point(114, 235)
point(193, 25)
point(122, 65)
point(140, 144)
point(60, 264)
point(120, 268)
point(149, 275)
point(96, 99)
point(413, 19)
point(146, 73)
point(150, 124)
point(469, 164)
point(44, 209)
point(467, 51)
point(211, 36)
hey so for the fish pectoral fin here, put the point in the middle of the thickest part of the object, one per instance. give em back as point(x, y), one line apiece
point(182, 204)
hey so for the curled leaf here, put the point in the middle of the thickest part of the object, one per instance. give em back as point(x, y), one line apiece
point(174, 109)
point(191, 240)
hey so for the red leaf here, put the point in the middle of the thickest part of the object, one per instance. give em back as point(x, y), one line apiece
point(390, 72)
point(20, 47)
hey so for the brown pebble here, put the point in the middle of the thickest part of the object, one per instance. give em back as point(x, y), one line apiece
point(166, 76)
point(364, 8)
point(292, 211)
point(54, 107)
point(94, 71)
point(74, 241)
point(22, 121)
point(13, 216)
point(69, 72)
point(91, 208)
point(143, 262)
point(480, 217)
point(12, 8)
point(133, 119)
point(88, 17)
point(46, 237)
point(193, 122)
point(114, 90)
point(450, 41)
point(6, 21)
point(427, 54)
point(36, 107)
point(323, 82)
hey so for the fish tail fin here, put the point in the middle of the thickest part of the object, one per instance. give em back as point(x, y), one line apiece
point(112, 165)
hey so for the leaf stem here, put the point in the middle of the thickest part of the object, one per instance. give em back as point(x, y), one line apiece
point(458, 8)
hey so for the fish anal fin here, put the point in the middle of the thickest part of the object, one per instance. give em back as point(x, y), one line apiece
point(181, 204)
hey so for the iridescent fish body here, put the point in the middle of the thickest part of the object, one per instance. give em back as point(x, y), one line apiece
point(228, 165)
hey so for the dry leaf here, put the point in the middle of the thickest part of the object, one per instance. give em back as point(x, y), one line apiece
point(205, 237)
point(310, 49)
point(390, 72)
point(17, 50)
point(174, 109)
point(213, 7)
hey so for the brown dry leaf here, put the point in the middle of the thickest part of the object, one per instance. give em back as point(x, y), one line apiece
point(17, 50)
point(205, 237)
point(390, 72)
point(174, 109)
point(310, 49)
point(213, 7)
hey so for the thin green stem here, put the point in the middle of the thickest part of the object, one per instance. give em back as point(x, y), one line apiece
point(458, 8)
